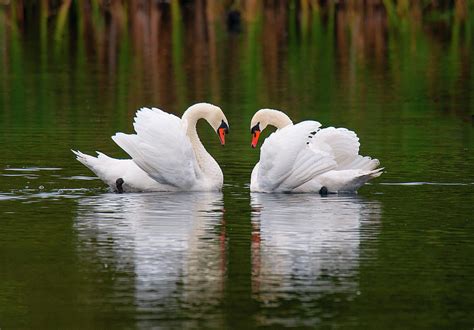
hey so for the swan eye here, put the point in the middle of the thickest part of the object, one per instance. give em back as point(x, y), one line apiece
point(223, 126)
point(255, 128)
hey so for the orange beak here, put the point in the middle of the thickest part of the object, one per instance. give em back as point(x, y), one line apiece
point(222, 135)
point(255, 137)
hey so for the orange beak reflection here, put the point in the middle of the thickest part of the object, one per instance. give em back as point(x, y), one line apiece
point(222, 135)
point(255, 136)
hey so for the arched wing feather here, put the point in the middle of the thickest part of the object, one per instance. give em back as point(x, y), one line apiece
point(341, 142)
point(287, 159)
point(344, 145)
point(161, 148)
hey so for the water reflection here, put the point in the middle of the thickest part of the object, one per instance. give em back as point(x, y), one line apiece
point(164, 250)
point(180, 51)
point(306, 248)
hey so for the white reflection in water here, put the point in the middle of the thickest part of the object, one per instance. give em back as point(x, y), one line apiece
point(305, 246)
point(168, 245)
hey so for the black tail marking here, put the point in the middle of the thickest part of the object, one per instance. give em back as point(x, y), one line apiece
point(323, 191)
point(119, 185)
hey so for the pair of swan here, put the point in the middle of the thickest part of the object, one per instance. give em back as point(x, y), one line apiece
point(167, 155)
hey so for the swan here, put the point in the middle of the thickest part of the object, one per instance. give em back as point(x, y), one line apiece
point(307, 158)
point(166, 152)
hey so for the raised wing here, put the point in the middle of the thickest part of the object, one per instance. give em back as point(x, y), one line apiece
point(161, 148)
point(344, 145)
point(340, 142)
point(287, 159)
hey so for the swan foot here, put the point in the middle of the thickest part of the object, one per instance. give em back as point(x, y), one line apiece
point(323, 191)
point(119, 185)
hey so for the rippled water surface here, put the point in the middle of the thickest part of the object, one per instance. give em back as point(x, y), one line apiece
point(397, 254)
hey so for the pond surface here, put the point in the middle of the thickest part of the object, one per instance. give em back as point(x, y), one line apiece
point(398, 253)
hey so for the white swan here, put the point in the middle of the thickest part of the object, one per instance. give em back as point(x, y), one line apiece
point(166, 152)
point(306, 158)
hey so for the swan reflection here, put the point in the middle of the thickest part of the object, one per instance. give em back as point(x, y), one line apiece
point(160, 248)
point(305, 246)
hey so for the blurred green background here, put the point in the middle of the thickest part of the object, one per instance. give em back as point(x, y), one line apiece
point(398, 254)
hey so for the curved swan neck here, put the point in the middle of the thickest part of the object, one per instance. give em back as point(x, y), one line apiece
point(190, 118)
point(196, 112)
point(272, 117)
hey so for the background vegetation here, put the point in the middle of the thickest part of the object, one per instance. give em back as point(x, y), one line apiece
point(168, 41)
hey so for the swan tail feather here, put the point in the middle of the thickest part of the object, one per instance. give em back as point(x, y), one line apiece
point(361, 163)
point(106, 168)
point(375, 173)
point(365, 177)
point(354, 182)
point(87, 160)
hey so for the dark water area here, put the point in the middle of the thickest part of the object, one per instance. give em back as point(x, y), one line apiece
point(397, 254)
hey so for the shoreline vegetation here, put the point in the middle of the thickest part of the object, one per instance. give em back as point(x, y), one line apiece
point(87, 15)
point(102, 24)
point(183, 47)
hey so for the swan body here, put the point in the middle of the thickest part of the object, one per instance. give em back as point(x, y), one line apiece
point(166, 152)
point(305, 157)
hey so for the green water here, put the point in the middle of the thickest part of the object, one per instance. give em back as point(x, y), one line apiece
point(398, 254)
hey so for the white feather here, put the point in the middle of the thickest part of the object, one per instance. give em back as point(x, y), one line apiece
point(110, 169)
point(161, 148)
point(287, 161)
point(304, 158)
point(164, 153)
